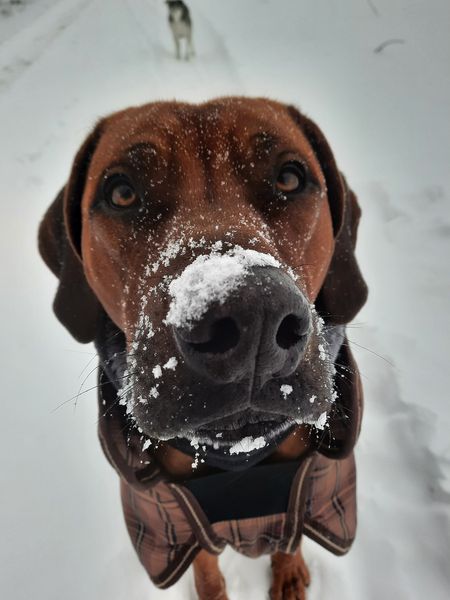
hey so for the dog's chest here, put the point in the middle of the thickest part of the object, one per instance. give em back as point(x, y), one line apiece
point(180, 27)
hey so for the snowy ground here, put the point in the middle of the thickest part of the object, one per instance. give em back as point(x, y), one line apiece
point(64, 63)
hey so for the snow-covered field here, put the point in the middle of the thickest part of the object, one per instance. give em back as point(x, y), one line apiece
point(64, 63)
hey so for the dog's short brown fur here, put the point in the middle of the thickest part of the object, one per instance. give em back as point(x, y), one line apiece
point(203, 171)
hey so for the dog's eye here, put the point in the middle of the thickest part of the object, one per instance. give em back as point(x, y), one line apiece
point(291, 178)
point(119, 193)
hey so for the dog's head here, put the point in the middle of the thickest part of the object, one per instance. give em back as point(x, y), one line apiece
point(175, 4)
point(213, 236)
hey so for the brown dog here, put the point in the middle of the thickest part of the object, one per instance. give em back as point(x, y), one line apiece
point(209, 252)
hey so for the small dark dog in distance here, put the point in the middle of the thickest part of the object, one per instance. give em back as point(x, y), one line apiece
point(181, 26)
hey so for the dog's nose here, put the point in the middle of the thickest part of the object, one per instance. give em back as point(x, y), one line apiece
point(259, 332)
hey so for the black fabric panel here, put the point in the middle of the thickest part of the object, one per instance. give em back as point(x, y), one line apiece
point(260, 491)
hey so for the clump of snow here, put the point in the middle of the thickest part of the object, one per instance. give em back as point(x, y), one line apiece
point(195, 443)
point(147, 444)
point(286, 390)
point(157, 372)
point(194, 464)
point(211, 278)
point(247, 444)
point(171, 363)
point(321, 421)
point(322, 352)
point(319, 322)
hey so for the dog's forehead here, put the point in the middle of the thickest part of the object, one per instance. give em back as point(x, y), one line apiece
point(247, 126)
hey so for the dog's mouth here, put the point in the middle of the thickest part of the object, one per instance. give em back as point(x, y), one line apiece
point(235, 442)
point(229, 431)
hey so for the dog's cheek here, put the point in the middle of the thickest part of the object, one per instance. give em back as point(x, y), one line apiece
point(153, 391)
point(319, 382)
point(317, 255)
point(312, 384)
point(103, 254)
point(304, 239)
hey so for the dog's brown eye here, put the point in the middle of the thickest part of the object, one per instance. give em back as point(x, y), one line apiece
point(291, 178)
point(123, 196)
point(120, 193)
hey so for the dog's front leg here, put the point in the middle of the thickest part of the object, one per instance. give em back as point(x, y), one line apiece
point(190, 52)
point(176, 40)
point(209, 581)
point(290, 576)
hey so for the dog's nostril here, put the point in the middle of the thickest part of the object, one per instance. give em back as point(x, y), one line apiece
point(291, 330)
point(224, 336)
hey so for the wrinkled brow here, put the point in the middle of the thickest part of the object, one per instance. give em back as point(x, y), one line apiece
point(140, 150)
point(264, 141)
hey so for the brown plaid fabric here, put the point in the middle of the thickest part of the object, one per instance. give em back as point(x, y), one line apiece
point(168, 527)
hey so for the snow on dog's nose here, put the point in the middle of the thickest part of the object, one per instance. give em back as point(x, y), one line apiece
point(238, 316)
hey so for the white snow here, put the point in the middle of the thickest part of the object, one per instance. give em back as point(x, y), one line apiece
point(157, 371)
point(247, 444)
point(286, 389)
point(321, 421)
point(322, 353)
point(154, 392)
point(210, 278)
point(171, 364)
point(65, 63)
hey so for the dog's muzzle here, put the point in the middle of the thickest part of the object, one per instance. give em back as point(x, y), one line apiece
point(260, 332)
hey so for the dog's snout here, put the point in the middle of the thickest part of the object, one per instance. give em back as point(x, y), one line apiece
point(260, 332)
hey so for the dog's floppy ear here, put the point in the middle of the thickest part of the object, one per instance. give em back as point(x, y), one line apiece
point(75, 304)
point(344, 290)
